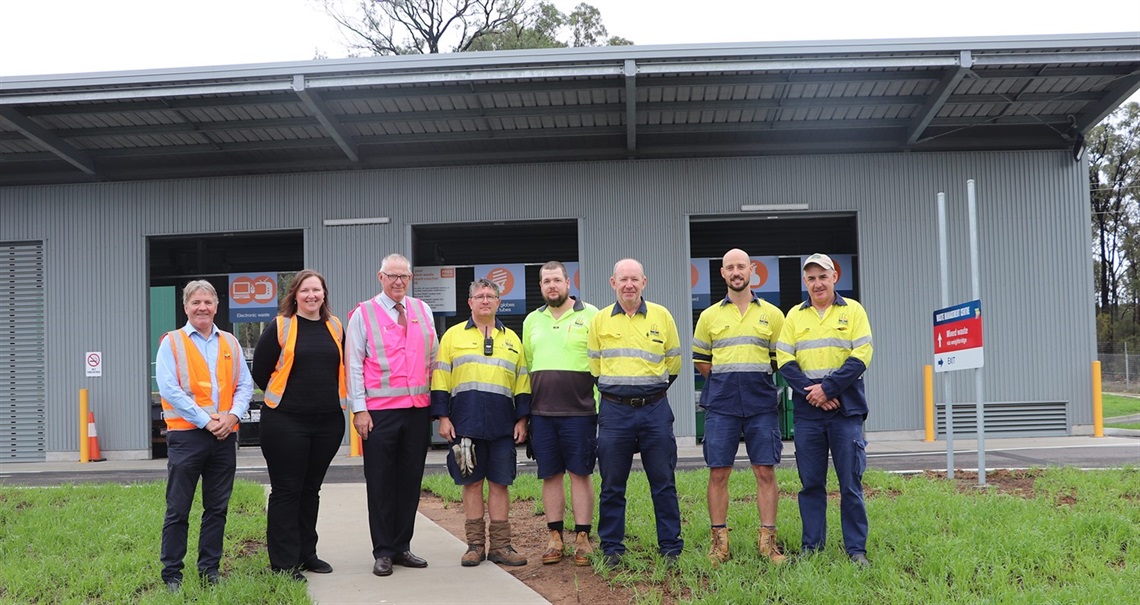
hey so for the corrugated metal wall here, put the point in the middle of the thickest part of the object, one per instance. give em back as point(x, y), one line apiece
point(1035, 242)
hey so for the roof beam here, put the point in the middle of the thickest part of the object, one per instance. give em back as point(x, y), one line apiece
point(313, 102)
point(630, 71)
point(1113, 97)
point(938, 97)
point(42, 137)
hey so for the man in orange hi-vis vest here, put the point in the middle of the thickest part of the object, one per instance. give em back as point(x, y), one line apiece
point(205, 387)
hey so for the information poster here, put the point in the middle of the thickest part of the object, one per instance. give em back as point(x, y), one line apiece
point(574, 272)
point(512, 286)
point(253, 297)
point(436, 287)
point(699, 279)
point(766, 278)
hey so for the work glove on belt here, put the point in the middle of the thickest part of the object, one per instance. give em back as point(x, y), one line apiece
point(464, 452)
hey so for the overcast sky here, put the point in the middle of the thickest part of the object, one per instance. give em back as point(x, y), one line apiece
point(69, 36)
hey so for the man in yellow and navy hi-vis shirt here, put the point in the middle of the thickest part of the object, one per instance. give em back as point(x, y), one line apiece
point(480, 391)
point(732, 348)
point(635, 353)
point(824, 349)
point(205, 387)
point(563, 411)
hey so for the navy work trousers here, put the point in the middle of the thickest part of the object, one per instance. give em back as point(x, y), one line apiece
point(843, 437)
point(622, 431)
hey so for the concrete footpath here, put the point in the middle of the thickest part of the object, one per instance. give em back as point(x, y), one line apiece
point(344, 543)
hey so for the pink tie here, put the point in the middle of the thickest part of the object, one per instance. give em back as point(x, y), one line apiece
point(401, 318)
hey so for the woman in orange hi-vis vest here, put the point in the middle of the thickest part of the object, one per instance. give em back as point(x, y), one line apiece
point(299, 363)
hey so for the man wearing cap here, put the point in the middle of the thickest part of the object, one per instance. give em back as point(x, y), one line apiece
point(635, 353)
point(823, 351)
point(733, 345)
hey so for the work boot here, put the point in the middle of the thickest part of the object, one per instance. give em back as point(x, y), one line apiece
point(554, 548)
point(768, 546)
point(582, 549)
point(476, 543)
point(718, 546)
point(501, 550)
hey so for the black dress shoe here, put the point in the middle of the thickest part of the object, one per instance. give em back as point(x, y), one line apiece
point(173, 585)
point(383, 566)
point(316, 565)
point(293, 573)
point(407, 559)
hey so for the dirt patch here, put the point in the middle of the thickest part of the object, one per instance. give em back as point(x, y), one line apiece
point(1013, 482)
point(562, 583)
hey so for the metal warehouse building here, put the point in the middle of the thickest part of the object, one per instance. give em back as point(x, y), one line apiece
point(117, 188)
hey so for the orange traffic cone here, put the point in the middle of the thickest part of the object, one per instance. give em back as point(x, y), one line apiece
point(93, 440)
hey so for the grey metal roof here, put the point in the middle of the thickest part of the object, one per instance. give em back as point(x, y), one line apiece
point(1024, 92)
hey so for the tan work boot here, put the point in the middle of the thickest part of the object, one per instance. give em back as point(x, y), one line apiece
point(554, 548)
point(582, 549)
point(768, 546)
point(718, 546)
point(501, 550)
point(476, 543)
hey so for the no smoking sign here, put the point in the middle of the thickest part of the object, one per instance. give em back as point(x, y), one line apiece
point(93, 364)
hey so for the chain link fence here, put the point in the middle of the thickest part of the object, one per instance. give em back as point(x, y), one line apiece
point(1119, 368)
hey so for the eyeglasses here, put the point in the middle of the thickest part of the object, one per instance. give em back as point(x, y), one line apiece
point(485, 297)
point(404, 277)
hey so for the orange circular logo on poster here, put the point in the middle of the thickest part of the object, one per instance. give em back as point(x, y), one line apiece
point(838, 270)
point(577, 279)
point(502, 277)
point(260, 289)
point(759, 274)
point(694, 276)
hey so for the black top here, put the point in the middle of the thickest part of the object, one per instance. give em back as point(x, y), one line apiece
point(314, 382)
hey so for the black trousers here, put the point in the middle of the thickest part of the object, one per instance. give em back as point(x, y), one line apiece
point(394, 456)
point(298, 449)
point(191, 455)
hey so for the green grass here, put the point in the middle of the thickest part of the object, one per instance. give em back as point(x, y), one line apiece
point(1117, 405)
point(99, 543)
point(1076, 540)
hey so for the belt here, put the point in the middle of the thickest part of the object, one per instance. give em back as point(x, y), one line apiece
point(636, 402)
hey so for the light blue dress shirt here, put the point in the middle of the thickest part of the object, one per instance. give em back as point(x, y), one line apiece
point(166, 374)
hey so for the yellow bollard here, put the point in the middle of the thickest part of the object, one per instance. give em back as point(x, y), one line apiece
point(1098, 404)
point(353, 437)
point(84, 453)
point(928, 399)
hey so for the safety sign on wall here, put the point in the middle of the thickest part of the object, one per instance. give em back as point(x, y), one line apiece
point(699, 281)
point(93, 364)
point(574, 273)
point(512, 286)
point(253, 297)
point(958, 337)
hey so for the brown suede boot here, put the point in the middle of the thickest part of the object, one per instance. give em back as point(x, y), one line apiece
point(582, 549)
point(768, 546)
point(501, 550)
point(554, 548)
point(476, 543)
point(718, 546)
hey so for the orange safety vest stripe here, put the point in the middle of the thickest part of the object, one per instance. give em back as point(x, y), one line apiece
point(287, 339)
point(194, 376)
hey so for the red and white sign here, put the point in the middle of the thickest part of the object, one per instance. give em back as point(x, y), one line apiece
point(958, 337)
point(93, 364)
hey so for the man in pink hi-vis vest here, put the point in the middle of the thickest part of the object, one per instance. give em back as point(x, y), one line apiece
point(390, 343)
